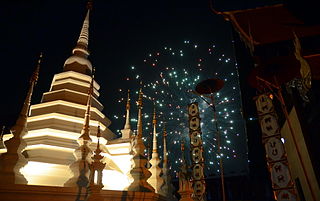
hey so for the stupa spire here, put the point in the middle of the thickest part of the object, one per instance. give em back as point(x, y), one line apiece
point(12, 161)
point(167, 188)
point(139, 172)
point(83, 40)
point(78, 61)
point(85, 133)
point(127, 124)
point(139, 123)
point(154, 122)
point(126, 131)
point(26, 105)
point(155, 180)
point(165, 152)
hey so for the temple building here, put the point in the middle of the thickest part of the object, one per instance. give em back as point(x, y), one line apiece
point(59, 135)
point(56, 122)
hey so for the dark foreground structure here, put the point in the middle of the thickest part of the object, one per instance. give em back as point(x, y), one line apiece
point(278, 54)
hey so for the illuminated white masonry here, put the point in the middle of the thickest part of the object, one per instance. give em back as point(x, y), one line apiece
point(55, 124)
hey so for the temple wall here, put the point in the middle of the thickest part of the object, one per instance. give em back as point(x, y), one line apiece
point(49, 193)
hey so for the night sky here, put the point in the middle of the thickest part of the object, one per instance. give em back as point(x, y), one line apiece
point(122, 33)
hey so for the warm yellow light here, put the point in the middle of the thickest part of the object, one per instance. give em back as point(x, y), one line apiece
point(51, 132)
point(72, 91)
point(39, 173)
point(59, 134)
point(46, 146)
point(118, 149)
point(77, 82)
point(75, 75)
point(113, 180)
point(7, 136)
point(121, 163)
point(66, 103)
point(64, 118)
point(4, 150)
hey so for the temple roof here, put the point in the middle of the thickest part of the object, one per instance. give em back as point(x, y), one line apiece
point(269, 24)
point(273, 24)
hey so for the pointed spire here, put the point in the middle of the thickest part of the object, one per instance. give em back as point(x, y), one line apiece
point(155, 180)
point(165, 153)
point(185, 186)
point(167, 188)
point(126, 131)
point(183, 157)
point(139, 172)
point(127, 124)
point(10, 171)
point(83, 40)
point(78, 61)
point(154, 122)
point(139, 124)
point(22, 119)
point(85, 133)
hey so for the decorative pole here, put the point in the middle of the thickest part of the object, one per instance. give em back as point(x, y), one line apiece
point(155, 180)
point(12, 161)
point(196, 151)
point(206, 89)
point(126, 131)
point(139, 172)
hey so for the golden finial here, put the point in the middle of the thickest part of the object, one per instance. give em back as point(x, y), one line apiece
point(140, 98)
point(164, 130)
point(89, 4)
point(35, 75)
point(40, 58)
point(128, 101)
point(154, 121)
